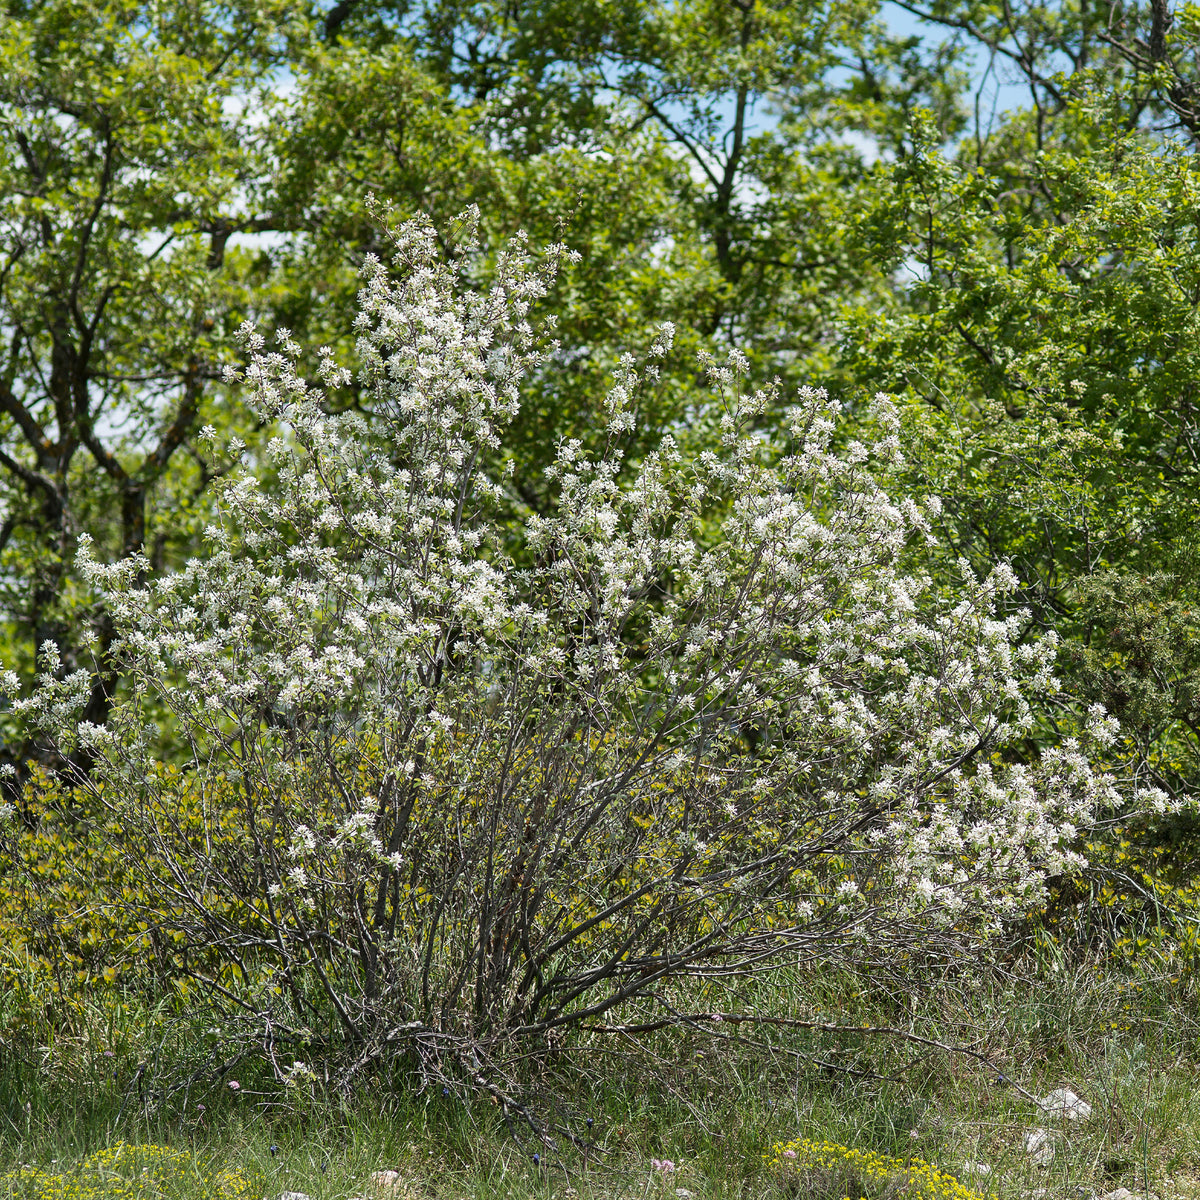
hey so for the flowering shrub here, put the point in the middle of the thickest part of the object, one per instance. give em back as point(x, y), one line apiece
point(458, 774)
point(128, 1172)
point(828, 1171)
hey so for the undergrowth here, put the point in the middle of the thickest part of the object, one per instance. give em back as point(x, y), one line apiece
point(711, 1100)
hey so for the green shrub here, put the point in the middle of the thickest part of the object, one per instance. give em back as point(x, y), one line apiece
point(87, 909)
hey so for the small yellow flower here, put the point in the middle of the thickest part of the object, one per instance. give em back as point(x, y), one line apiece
point(126, 1172)
point(921, 1180)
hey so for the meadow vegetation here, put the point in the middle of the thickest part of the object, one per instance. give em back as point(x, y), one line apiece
point(716, 1110)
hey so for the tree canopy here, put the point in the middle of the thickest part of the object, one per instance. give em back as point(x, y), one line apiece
point(842, 201)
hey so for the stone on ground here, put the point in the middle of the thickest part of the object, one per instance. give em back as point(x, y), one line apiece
point(1062, 1102)
point(1039, 1147)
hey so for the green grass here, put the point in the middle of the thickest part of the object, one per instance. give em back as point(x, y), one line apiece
point(715, 1108)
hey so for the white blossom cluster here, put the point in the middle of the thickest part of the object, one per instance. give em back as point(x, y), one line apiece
point(711, 679)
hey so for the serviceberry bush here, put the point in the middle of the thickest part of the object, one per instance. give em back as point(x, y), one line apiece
point(458, 775)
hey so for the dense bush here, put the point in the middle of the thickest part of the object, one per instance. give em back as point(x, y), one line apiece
point(456, 775)
point(80, 916)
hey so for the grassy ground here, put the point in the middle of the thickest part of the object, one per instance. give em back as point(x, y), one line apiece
point(712, 1106)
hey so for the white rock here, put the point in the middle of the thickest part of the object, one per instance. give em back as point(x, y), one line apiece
point(1126, 1194)
point(974, 1168)
point(1034, 1138)
point(294, 1196)
point(683, 1194)
point(1062, 1102)
point(389, 1183)
point(1039, 1146)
